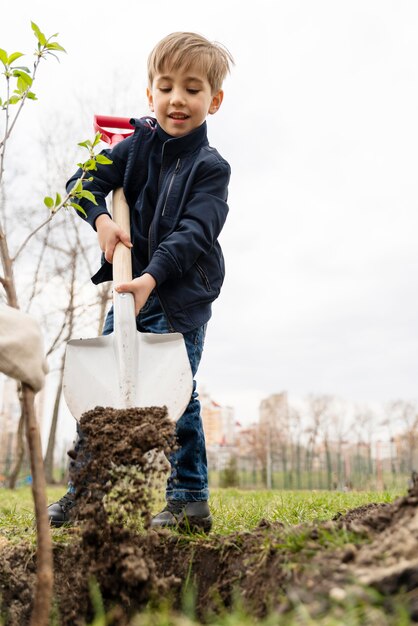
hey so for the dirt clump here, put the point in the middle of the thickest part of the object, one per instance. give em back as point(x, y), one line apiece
point(119, 464)
point(119, 469)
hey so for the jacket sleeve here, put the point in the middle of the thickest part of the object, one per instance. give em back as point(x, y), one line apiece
point(199, 227)
point(105, 179)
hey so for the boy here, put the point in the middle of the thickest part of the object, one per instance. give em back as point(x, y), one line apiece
point(176, 186)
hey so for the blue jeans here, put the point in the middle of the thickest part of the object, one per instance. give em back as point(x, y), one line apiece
point(189, 472)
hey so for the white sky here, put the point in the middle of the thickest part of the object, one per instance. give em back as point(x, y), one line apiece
point(320, 126)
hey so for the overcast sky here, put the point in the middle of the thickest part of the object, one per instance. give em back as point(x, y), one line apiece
point(320, 126)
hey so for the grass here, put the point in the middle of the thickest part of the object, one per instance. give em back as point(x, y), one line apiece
point(233, 510)
point(354, 614)
point(17, 516)
point(237, 510)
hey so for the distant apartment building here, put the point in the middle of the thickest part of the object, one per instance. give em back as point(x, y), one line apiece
point(218, 421)
point(220, 432)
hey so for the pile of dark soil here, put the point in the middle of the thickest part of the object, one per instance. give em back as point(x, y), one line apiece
point(272, 568)
point(117, 474)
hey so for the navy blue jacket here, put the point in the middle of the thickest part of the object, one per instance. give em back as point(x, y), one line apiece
point(182, 231)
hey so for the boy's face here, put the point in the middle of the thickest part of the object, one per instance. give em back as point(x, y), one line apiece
point(182, 99)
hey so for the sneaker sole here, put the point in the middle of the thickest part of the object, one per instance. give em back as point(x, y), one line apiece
point(187, 524)
point(56, 524)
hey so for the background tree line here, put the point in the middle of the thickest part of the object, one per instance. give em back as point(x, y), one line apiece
point(324, 445)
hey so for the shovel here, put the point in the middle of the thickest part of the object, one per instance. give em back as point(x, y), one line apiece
point(126, 368)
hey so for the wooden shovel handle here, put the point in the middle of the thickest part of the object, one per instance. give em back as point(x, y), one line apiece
point(122, 258)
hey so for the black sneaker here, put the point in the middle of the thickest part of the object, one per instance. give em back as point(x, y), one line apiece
point(59, 512)
point(189, 516)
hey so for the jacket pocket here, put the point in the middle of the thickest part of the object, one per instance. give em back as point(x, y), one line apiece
point(204, 277)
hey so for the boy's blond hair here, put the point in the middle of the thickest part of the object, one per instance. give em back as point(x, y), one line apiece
point(186, 50)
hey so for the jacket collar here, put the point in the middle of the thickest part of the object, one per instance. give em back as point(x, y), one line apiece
point(186, 143)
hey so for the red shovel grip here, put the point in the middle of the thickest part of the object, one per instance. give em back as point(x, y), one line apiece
point(105, 123)
point(122, 261)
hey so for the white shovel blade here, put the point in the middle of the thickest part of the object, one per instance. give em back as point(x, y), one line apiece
point(161, 376)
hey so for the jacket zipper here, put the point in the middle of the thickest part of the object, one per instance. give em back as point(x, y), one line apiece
point(158, 192)
point(176, 169)
point(149, 231)
point(203, 275)
point(161, 168)
point(168, 192)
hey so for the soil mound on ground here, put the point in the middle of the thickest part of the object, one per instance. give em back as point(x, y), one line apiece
point(272, 568)
point(117, 471)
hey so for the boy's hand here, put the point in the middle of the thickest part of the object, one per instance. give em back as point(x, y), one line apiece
point(140, 287)
point(109, 234)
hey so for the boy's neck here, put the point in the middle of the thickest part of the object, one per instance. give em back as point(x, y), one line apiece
point(166, 137)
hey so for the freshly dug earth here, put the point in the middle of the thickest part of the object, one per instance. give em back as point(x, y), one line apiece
point(272, 568)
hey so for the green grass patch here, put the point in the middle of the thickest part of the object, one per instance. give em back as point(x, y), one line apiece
point(233, 510)
point(17, 519)
point(241, 510)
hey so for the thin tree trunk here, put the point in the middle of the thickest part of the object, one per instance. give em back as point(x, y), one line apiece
point(329, 466)
point(284, 466)
point(298, 467)
point(20, 450)
point(268, 461)
point(369, 460)
point(309, 465)
point(339, 467)
point(7, 280)
point(49, 456)
point(44, 573)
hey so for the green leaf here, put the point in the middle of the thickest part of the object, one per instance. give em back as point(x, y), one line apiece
point(25, 77)
point(14, 100)
point(78, 186)
point(55, 46)
point(85, 144)
point(3, 57)
point(14, 56)
point(57, 199)
point(21, 85)
point(78, 208)
point(103, 160)
point(97, 139)
point(22, 67)
point(39, 35)
point(48, 202)
point(89, 165)
point(31, 95)
point(87, 195)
